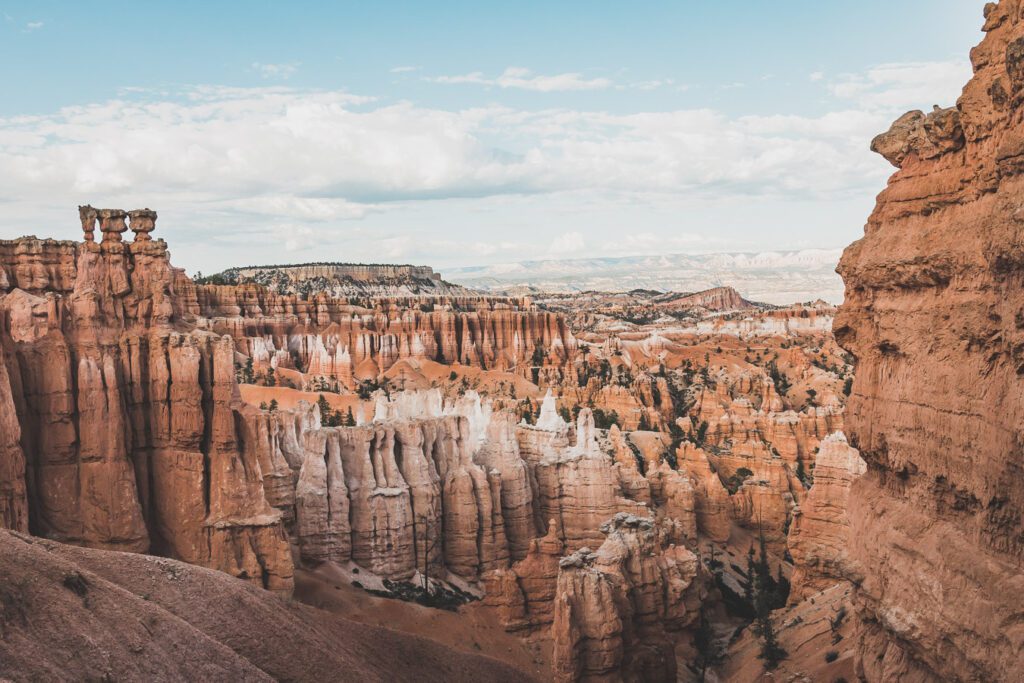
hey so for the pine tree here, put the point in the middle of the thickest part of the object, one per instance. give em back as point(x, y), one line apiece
point(349, 420)
point(708, 652)
point(766, 598)
point(325, 411)
point(748, 586)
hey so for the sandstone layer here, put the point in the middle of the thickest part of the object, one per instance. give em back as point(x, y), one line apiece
point(614, 607)
point(820, 534)
point(127, 417)
point(933, 315)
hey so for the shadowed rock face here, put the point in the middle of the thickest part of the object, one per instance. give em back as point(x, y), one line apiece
point(121, 429)
point(614, 607)
point(934, 316)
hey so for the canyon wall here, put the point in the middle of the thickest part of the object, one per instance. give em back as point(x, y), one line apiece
point(934, 316)
point(120, 423)
point(357, 339)
point(123, 429)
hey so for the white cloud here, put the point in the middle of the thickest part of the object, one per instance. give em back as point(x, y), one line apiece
point(326, 156)
point(32, 26)
point(567, 244)
point(524, 79)
point(303, 169)
point(902, 86)
point(648, 242)
point(276, 71)
point(816, 76)
point(653, 84)
point(404, 69)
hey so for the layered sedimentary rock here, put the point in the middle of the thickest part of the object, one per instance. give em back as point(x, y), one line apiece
point(712, 504)
point(13, 493)
point(820, 534)
point(422, 487)
point(359, 338)
point(933, 315)
point(614, 608)
point(127, 417)
point(577, 484)
point(524, 594)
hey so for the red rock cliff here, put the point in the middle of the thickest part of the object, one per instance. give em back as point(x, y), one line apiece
point(934, 314)
point(127, 432)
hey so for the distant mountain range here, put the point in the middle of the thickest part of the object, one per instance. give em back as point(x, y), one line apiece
point(777, 277)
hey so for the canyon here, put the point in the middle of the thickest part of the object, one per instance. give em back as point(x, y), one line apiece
point(463, 452)
point(345, 471)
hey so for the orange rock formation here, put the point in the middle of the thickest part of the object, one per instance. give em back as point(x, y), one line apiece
point(933, 315)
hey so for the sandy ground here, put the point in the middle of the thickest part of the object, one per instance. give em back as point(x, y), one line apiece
point(805, 631)
point(473, 629)
point(72, 614)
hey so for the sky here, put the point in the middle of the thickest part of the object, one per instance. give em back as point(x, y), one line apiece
point(465, 133)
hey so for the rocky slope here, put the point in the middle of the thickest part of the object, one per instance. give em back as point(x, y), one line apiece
point(933, 316)
point(72, 614)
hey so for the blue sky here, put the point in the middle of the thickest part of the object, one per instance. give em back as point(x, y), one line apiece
point(465, 133)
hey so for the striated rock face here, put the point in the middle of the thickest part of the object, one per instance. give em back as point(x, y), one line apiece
point(578, 485)
point(820, 534)
point(127, 417)
point(615, 607)
point(344, 339)
point(524, 594)
point(933, 315)
point(714, 299)
point(712, 504)
point(417, 489)
point(13, 494)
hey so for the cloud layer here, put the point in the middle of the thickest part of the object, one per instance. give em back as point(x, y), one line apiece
point(524, 79)
point(300, 167)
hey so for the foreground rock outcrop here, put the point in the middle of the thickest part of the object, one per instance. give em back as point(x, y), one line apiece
point(933, 315)
point(127, 416)
point(71, 614)
point(614, 607)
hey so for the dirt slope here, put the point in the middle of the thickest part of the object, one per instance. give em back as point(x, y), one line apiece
point(69, 613)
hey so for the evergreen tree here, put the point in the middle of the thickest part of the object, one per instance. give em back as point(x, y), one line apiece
point(766, 598)
point(748, 586)
point(349, 420)
point(708, 651)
